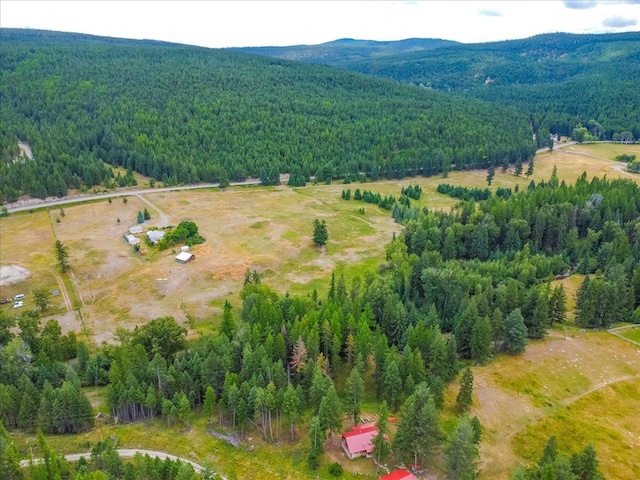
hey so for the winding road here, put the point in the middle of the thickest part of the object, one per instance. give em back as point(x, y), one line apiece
point(127, 453)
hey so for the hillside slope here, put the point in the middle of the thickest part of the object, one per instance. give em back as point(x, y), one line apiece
point(560, 80)
point(184, 114)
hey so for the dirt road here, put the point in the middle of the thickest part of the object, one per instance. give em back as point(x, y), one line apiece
point(126, 453)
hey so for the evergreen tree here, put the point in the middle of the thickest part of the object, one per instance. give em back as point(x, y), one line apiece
point(62, 254)
point(538, 321)
point(480, 245)
point(557, 305)
point(140, 217)
point(381, 447)
point(530, 167)
point(585, 464)
point(550, 451)
point(391, 383)
point(465, 395)
point(518, 167)
point(209, 401)
point(330, 411)
point(418, 426)
point(228, 324)
point(316, 438)
point(146, 215)
point(354, 391)
point(320, 233)
point(462, 451)
point(491, 173)
point(9, 459)
point(585, 303)
point(452, 363)
point(497, 328)
point(292, 407)
point(481, 340)
point(515, 332)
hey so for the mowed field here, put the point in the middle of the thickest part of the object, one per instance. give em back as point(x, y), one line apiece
point(581, 386)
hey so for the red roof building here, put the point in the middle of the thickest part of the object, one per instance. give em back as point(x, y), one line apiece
point(399, 475)
point(359, 441)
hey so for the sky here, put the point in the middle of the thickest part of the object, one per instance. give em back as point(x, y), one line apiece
point(221, 24)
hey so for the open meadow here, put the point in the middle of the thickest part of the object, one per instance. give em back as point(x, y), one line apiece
point(583, 387)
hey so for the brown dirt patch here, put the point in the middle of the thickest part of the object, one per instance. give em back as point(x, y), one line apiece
point(12, 274)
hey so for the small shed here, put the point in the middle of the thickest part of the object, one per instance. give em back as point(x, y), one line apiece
point(135, 230)
point(359, 441)
point(155, 236)
point(185, 257)
point(399, 474)
point(131, 240)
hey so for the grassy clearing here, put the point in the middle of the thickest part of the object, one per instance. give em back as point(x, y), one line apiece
point(614, 430)
point(552, 389)
point(631, 333)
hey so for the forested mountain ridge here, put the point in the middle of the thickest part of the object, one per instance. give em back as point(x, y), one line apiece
point(345, 51)
point(560, 79)
point(184, 114)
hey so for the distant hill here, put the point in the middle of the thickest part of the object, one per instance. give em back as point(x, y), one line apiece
point(182, 114)
point(560, 80)
point(347, 51)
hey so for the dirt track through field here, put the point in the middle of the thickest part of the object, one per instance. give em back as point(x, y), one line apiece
point(552, 375)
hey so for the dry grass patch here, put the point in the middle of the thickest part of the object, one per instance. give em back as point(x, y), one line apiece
point(513, 393)
point(615, 432)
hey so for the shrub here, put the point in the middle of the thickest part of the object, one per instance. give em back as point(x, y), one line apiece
point(335, 469)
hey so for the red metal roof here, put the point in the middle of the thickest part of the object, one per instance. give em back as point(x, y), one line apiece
point(399, 475)
point(359, 439)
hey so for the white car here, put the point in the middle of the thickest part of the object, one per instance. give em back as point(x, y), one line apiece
point(18, 304)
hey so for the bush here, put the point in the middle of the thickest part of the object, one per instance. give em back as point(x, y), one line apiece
point(335, 469)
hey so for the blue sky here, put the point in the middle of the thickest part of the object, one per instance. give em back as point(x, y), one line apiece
point(249, 23)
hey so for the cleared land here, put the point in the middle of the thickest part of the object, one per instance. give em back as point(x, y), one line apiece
point(559, 386)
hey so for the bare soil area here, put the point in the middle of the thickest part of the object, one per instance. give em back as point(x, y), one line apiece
point(12, 274)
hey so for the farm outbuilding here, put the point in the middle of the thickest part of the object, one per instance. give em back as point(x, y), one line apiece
point(155, 236)
point(131, 240)
point(185, 257)
point(136, 229)
point(359, 441)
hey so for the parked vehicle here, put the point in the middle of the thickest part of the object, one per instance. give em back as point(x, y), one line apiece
point(18, 304)
point(5, 300)
point(18, 297)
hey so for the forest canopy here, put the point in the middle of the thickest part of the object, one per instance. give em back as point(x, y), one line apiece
point(183, 114)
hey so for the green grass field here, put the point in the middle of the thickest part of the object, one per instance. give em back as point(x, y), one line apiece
point(631, 334)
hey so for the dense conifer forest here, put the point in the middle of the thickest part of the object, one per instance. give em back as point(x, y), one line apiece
point(184, 114)
point(562, 81)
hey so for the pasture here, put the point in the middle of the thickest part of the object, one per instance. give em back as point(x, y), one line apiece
point(558, 387)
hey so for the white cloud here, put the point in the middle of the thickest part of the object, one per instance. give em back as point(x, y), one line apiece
point(619, 22)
